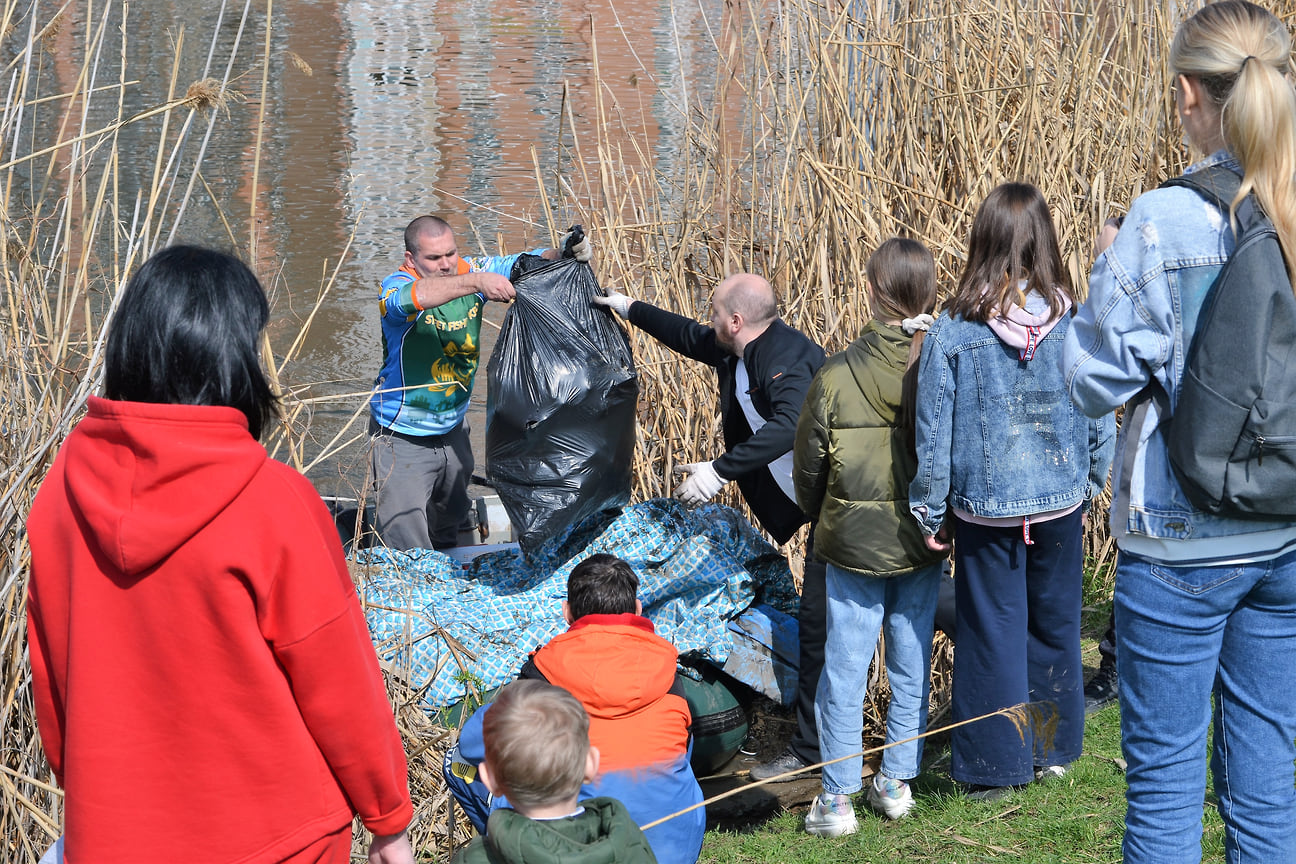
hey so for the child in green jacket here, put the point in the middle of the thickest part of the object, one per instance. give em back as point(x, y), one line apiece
point(852, 465)
point(537, 755)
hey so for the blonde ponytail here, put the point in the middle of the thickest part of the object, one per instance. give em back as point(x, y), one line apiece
point(1260, 130)
point(1240, 53)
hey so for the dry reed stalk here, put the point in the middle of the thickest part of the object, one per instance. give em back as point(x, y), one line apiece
point(1038, 718)
point(438, 824)
point(828, 131)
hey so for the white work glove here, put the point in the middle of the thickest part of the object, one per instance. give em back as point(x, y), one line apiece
point(582, 251)
point(701, 485)
point(616, 301)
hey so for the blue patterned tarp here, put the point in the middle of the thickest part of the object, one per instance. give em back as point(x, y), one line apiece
point(451, 628)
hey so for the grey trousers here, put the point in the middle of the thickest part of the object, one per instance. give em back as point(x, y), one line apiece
point(420, 486)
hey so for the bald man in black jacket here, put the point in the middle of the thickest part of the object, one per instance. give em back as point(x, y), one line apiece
point(763, 369)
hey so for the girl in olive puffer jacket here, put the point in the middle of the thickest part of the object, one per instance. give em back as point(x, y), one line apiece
point(853, 462)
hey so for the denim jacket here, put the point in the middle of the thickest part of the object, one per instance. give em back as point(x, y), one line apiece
point(996, 435)
point(1129, 342)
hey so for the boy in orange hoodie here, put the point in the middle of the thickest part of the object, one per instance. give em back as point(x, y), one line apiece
point(624, 675)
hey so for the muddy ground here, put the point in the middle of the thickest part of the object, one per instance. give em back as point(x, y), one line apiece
point(771, 727)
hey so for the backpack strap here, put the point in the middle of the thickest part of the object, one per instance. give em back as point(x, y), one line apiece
point(1219, 186)
point(1216, 183)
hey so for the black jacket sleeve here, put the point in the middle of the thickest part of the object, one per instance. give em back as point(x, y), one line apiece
point(780, 366)
point(682, 335)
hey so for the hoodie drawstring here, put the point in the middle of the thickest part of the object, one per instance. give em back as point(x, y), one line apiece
point(1032, 343)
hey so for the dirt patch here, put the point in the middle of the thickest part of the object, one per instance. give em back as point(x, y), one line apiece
point(749, 804)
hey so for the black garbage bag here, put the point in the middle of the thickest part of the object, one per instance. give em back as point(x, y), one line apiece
point(560, 408)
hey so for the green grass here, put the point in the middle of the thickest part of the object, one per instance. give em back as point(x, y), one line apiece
point(1077, 819)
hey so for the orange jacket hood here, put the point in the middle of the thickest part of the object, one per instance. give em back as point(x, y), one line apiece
point(606, 662)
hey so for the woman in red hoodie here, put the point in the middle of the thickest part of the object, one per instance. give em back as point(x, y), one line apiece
point(205, 685)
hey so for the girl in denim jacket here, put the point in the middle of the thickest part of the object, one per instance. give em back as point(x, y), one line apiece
point(1205, 606)
point(852, 464)
point(1009, 464)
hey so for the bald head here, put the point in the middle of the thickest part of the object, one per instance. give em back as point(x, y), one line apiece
point(742, 308)
point(750, 296)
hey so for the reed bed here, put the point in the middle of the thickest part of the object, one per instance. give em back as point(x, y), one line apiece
point(834, 125)
point(830, 126)
point(829, 133)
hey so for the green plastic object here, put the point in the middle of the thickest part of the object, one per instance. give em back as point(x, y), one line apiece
point(454, 716)
point(719, 721)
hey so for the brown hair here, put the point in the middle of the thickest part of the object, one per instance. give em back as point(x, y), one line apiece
point(601, 585)
point(537, 741)
point(902, 278)
point(1012, 239)
point(1240, 52)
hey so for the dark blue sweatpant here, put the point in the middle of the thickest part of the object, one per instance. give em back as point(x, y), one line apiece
point(1018, 612)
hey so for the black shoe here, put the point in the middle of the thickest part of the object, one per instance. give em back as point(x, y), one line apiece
point(979, 792)
point(1101, 689)
point(781, 764)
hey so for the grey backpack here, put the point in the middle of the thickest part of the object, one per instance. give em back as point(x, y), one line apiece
point(1232, 438)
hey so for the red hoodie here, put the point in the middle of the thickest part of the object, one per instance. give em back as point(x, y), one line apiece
point(205, 685)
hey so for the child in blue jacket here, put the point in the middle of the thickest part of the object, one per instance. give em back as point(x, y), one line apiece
point(625, 677)
point(1007, 465)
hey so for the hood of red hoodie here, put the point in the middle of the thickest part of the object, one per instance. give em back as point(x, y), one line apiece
point(142, 478)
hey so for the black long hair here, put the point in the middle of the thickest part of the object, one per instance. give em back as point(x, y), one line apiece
point(187, 332)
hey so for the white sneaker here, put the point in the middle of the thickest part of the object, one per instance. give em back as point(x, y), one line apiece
point(892, 798)
point(1049, 772)
point(831, 816)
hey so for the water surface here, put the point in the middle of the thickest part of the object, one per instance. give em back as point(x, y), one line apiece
point(377, 112)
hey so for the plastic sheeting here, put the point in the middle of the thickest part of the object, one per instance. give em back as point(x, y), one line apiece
point(560, 405)
point(457, 629)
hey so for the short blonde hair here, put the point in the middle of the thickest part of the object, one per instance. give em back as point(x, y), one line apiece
point(537, 741)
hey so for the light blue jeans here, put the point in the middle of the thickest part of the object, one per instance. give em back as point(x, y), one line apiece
point(858, 606)
point(1183, 633)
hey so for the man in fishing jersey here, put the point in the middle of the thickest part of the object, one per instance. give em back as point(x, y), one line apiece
point(431, 326)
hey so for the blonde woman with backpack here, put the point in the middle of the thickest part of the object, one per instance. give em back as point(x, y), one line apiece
point(1204, 604)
